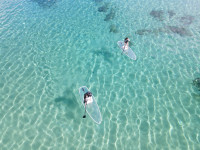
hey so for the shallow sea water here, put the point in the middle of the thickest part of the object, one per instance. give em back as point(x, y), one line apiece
point(50, 48)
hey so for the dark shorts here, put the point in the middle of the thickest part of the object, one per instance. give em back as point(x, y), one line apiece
point(126, 41)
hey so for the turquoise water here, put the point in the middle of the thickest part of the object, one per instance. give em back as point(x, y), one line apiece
point(50, 48)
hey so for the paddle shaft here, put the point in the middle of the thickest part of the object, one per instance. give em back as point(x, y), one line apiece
point(84, 116)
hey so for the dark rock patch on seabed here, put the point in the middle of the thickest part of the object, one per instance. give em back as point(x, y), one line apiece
point(168, 29)
point(158, 14)
point(151, 31)
point(113, 28)
point(45, 3)
point(143, 32)
point(187, 20)
point(104, 8)
point(179, 30)
point(110, 15)
point(171, 13)
point(196, 83)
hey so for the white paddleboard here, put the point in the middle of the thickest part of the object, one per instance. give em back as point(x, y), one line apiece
point(92, 107)
point(128, 51)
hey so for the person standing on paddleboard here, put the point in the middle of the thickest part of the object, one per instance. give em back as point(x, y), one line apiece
point(126, 40)
point(87, 96)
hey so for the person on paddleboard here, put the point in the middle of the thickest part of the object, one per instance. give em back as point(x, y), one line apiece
point(87, 97)
point(126, 40)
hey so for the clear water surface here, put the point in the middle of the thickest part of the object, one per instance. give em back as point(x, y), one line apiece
point(50, 48)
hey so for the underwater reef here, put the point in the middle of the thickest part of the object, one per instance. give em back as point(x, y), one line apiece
point(157, 14)
point(113, 28)
point(187, 20)
point(167, 29)
point(152, 31)
point(179, 30)
point(143, 31)
point(104, 8)
point(110, 15)
point(45, 3)
point(162, 15)
point(196, 83)
point(171, 13)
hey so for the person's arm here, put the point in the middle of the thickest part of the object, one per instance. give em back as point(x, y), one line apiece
point(128, 42)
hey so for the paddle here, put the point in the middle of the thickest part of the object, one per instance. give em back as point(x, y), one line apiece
point(84, 116)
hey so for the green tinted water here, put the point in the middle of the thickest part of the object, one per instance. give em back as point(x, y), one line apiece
point(51, 48)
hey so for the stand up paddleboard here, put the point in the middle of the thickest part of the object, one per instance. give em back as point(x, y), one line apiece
point(127, 50)
point(92, 107)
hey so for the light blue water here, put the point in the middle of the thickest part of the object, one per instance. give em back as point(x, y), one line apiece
point(50, 48)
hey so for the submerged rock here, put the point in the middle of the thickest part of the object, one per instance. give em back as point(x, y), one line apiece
point(143, 32)
point(171, 13)
point(155, 31)
point(104, 8)
point(158, 14)
point(110, 16)
point(45, 3)
point(187, 20)
point(113, 28)
point(168, 29)
point(163, 30)
point(179, 30)
point(196, 82)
